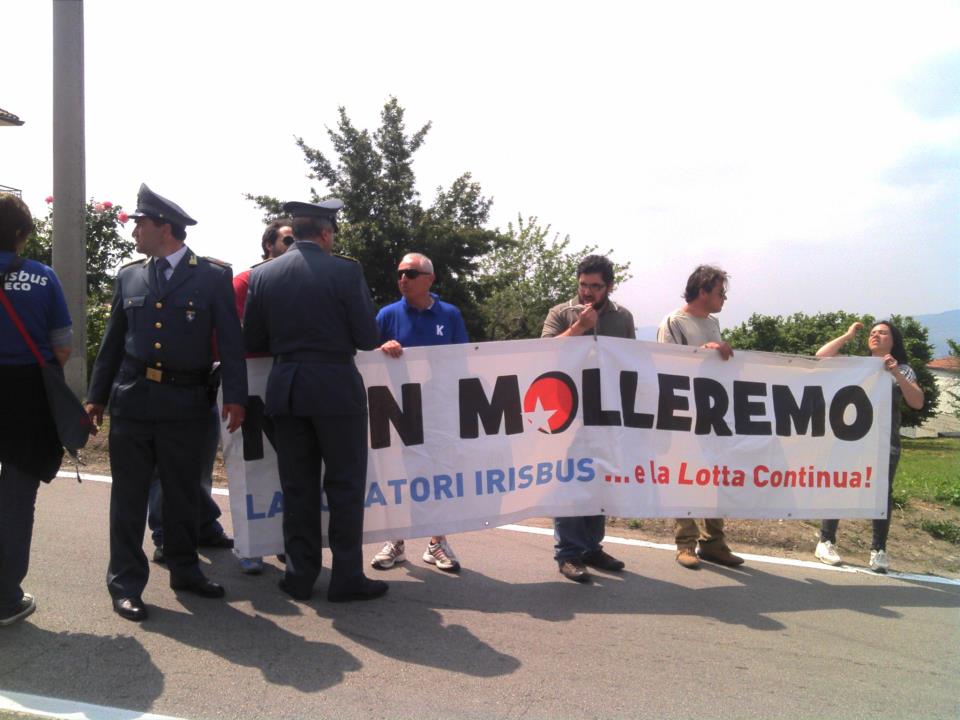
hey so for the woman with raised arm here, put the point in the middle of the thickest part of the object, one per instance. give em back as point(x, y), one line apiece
point(884, 341)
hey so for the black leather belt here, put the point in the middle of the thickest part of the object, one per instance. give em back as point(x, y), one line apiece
point(167, 376)
point(308, 356)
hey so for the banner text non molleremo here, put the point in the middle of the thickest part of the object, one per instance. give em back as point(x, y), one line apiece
point(465, 437)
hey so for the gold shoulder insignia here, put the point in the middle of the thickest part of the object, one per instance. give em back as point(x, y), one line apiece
point(141, 261)
point(221, 263)
point(346, 257)
point(260, 263)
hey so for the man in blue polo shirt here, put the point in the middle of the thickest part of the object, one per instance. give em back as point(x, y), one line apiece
point(418, 318)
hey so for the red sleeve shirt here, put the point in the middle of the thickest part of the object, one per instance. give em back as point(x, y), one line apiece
point(241, 284)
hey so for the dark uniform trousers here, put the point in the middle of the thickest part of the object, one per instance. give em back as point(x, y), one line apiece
point(317, 402)
point(210, 528)
point(175, 448)
point(153, 367)
point(340, 443)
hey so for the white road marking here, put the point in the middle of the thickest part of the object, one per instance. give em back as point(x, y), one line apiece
point(69, 709)
point(41, 706)
point(808, 564)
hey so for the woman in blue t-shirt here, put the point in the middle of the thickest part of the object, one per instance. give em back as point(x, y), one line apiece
point(884, 341)
point(30, 451)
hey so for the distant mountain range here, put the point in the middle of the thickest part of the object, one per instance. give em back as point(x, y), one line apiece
point(940, 327)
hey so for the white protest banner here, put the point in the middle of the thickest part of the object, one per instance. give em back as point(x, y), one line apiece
point(464, 437)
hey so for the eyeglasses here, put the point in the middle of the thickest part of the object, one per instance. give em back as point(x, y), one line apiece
point(593, 287)
point(410, 273)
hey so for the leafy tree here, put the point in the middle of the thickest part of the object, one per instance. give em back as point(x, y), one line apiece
point(106, 249)
point(801, 334)
point(953, 388)
point(383, 218)
point(526, 276)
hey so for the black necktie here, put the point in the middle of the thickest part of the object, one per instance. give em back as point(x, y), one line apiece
point(162, 265)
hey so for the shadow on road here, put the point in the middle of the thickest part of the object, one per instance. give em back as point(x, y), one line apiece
point(283, 657)
point(409, 625)
point(79, 666)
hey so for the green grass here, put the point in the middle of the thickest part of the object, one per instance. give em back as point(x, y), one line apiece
point(942, 530)
point(929, 470)
point(900, 498)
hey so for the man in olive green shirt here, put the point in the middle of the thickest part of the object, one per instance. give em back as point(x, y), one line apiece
point(592, 312)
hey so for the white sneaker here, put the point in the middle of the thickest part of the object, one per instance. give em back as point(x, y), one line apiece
point(826, 552)
point(442, 556)
point(390, 554)
point(879, 562)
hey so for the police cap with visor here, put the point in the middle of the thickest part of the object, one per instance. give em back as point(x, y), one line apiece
point(157, 207)
point(324, 209)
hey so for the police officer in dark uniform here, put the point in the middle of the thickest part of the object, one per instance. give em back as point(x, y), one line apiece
point(155, 367)
point(312, 311)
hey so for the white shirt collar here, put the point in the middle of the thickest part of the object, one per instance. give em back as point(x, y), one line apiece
point(173, 259)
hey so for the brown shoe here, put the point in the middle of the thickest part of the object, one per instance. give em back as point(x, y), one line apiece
point(688, 558)
point(602, 561)
point(721, 556)
point(574, 570)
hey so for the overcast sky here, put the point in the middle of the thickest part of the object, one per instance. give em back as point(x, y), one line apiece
point(810, 148)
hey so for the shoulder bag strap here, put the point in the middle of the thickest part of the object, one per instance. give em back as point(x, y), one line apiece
point(15, 265)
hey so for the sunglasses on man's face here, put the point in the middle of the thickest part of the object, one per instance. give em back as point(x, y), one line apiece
point(410, 273)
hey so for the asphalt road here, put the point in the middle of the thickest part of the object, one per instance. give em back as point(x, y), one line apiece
point(507, 638)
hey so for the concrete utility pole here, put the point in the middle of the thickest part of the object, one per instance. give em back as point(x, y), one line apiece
point(69, 179)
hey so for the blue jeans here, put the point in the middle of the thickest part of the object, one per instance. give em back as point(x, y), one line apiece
point(210, 528)
point(577, 535)
point(18, 497)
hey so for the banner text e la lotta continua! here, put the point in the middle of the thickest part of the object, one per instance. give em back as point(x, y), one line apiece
point(465, 437)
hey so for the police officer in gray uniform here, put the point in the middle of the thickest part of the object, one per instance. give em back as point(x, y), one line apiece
point(312, 311)
point(154, 367)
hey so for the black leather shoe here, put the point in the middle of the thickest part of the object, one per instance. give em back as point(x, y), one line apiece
point(292, 591)
point(158, 556)
point(201, 586)
point(130, 608)
point(602, 561)
point(219, 541)
point(574, 570)
point(364, 589)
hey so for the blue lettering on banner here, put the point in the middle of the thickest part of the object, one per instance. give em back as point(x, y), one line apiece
point(420, 489)
point(397, 485)
point(374, 495)
point(490, 481)
point(276, 507)
point(251, 513)
point(544, 473)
